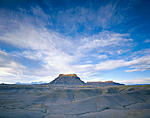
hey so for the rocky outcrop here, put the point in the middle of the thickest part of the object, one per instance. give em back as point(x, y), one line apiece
point(73, 79)
point(67, 79)
point(102, 84)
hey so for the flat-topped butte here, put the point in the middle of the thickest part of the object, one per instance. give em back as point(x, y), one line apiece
point(67, 79)
point(67, 75)
point(73, 79)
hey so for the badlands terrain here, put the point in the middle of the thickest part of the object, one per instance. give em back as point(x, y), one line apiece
point(76, 101)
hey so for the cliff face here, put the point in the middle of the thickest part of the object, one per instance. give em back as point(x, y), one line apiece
point(67, 75)
point(67, 79)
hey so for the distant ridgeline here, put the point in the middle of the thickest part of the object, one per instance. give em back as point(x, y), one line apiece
point(102, 84)
point(73, 79)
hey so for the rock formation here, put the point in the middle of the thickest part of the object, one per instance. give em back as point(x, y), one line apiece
point(67, 79)
point(102, 84)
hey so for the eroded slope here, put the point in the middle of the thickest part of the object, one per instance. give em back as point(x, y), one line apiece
point(44, 101)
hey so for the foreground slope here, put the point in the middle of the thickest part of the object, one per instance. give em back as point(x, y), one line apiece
point(46, 101)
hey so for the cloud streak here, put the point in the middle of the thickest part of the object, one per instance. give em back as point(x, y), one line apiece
point(43, 49)
point(47, 47)
point(136, 81)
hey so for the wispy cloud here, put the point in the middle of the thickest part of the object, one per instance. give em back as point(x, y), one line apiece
point(43, 49)
point(136, 81)
point(47, 47)
point(147, 41)
point(104, 39)
point(139, 64)
point(9, 68)
point(111, 64)
point(102, 56)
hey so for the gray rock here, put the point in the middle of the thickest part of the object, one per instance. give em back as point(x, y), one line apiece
point(67, 79)
point(44, 101)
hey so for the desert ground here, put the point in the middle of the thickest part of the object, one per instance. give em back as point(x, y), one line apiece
point(47, 101)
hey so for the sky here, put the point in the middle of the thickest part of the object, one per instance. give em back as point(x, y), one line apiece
point(99, 40)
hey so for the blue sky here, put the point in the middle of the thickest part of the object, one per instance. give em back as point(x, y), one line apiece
point(99, 40)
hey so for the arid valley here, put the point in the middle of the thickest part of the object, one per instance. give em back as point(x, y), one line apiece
point(74, 101)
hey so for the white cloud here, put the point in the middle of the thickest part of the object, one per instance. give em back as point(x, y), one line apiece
point(111, 64)
point(57, 53)
point(135, 81)
point(139, 64)
point(104, 42)
point(147, 41)
point(104, 16)
point(9, 68)
point(50, 48)
point(29, 37)
point(102, 56)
